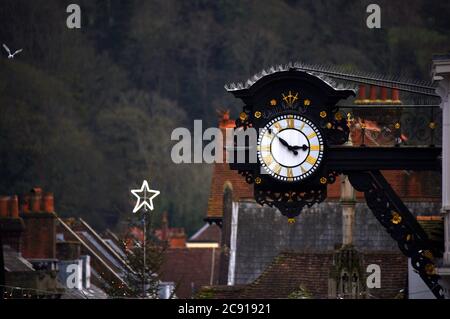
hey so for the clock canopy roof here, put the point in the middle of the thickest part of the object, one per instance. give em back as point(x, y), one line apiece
point(289, 76)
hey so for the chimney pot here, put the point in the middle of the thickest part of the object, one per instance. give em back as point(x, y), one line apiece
point(4, 206)
point(361, 94)
point(14, 206)
point(49, 203)
point(25, 205)
point(396, 96)
point(36, 203)
point(37, 191)
point(384, 94)
point(373, 93)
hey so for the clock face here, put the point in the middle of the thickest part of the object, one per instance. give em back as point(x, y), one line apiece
point(290, 148)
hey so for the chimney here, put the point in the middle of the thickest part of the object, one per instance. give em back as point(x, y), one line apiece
point(39, 237)
point(4, 206)
point(48, 203)
point(36, 198)
point(396, 96)
point(384, 97)
point(361, 99)
point(14, 207)
point(373, 94)
point(225, 124)
point(25, 204)
point(11, 225)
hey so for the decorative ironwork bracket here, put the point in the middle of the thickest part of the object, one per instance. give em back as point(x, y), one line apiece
point(401, 224)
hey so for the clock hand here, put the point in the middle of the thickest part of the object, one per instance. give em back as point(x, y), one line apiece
point(284, 142)
point(304, 147)
point(287, 145)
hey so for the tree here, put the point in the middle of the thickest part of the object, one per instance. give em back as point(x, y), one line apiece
point(144, 255)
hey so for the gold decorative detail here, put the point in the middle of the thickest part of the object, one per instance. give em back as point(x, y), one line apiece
point(323, 180)
point(329, 125)
point(290, 98)
point(338, 116)
point(396, 218)
point(350, 119)
point(291, 220)
point(323, 114)
point(310, 136)
point(432, 125)
point(428, 254)
point(243, 116)
point(273, 102)
point(408, 237)
point(303, 170)
point(430, 269)
point(307, 102)
point(258, 180)
point(258, 114)
point(397, 126)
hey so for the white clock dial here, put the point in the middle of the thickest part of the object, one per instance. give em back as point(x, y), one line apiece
point(290, 148)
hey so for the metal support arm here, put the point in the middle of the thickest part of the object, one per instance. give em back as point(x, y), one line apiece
point(401, 224)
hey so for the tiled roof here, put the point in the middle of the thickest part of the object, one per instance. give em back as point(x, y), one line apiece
point(14, 261)
point(291, 271)
point(394, 273)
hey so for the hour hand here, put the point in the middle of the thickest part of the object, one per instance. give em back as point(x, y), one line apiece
point(304, 147)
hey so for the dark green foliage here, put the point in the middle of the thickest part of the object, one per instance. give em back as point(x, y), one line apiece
point(88, 113)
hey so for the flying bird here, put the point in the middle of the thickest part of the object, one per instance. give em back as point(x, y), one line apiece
point(11, 56)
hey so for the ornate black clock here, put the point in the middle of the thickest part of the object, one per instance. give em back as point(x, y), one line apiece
point(300, 150)
point(296, 119)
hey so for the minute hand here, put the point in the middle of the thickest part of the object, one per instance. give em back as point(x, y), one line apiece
point(287, 145)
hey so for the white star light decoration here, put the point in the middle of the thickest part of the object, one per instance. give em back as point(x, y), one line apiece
point(144, 196)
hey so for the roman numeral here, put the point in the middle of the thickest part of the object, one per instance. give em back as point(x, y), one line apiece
point(264, 148)
point(311, 160)
point(277, 169)
point(277, 125)
point(290, 174)
point(303, 126)
point(268, 159)
point(290, 123)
